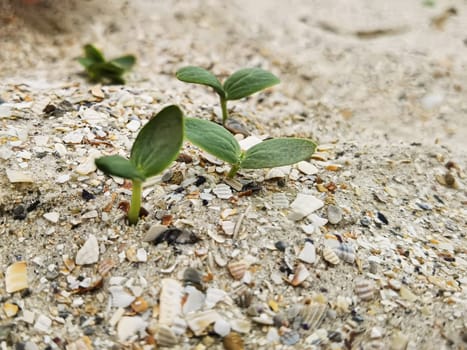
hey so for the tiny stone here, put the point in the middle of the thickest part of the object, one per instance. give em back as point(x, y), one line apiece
point(307, 168)
point(18, 176)
point(43, 324)
point(281, 245)
point(52, 216)
point(133, 125)
point(395, 284)
point(334, 214)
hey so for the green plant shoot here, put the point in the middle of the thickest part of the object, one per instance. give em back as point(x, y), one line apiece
point(101, 70)
point(240, 84)
point(214, 139)
point(155, 148)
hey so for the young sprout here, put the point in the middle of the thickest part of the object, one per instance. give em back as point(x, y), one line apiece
point(271, 153)
point(98, 69)
point(242, 83)
point(156, 146)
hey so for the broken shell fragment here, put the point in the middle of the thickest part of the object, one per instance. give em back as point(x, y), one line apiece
point(170, 301)
point(233, 341)
point(166, 337)
point(199, 321)
point(139, 305)
point(16, 277)
point(89, 252)
point(330, 256)
point(312, 315)
point(365, 289)
point(10, 309)
point(237, 269)
point(300, 275)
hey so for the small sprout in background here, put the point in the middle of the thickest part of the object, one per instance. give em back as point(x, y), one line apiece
point(98, 69)
point(242, 83)
point(155, 148)
point(271, 153)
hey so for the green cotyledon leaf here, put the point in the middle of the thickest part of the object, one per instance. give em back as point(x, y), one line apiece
point(92, 53)
point(213, 138)
point(247, 81)
point(198, 75)
point(159, 141)
point(119, 166)
point(126, 62)
point(278, 152)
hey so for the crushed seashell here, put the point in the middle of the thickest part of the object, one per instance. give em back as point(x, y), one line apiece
point(16, 277)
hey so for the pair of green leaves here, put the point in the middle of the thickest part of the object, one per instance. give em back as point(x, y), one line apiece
point(155, 147)
point(240, 84)
point(98, 69)
point(271, 153)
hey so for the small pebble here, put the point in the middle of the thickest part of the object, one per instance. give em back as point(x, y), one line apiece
point(334, 214)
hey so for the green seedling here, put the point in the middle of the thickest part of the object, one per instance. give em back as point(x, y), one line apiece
point(242, 83)
point(155, 148)
point(98, 69)
point(271, 153)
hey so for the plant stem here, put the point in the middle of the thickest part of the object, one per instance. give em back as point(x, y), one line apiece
point(225, 114)
point(133, 213)
point(233, 170)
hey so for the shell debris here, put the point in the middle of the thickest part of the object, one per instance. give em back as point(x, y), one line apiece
point(16, 277)
point(330, 256)
point(222, 191)
point(89, 252)
point(304, 205)
point(170, 301)
point(166, 337)
point(365, 289)
point(300, 274)
point(237, 269)
point(312, 315)
point(199, 321)
point(233, 341)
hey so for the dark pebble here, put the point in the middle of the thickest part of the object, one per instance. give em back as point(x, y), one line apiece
point(281, 245)
point(87, 196)
point(382, 218)
point(88, 331)
point(365, 221)
point(19, 213)
point(176, 236)
point(335, 337)
point(200, 180)
point(424, 206)
point(192, 277)
point(33, 206)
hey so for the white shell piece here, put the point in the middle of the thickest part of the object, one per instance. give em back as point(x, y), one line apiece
point(240, 326)
point(280, 201)
point(301, 273)
point(222, 191)
point(53, 216)
point(365, 289)
point(88, 166)
point(199, 321)
point(170, 301)
point(249, 142)
point(222, 327)
point(214, 296)
point(120, 297)
point(194, 300)
point(307, 168)
point(43, 324)
point(304, 205)
point(308, 253)
point(89, 252)
point(130, 326)
point(228, 227)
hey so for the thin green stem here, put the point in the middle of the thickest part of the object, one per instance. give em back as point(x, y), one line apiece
point(233, 170)
point(225, 113)
point(133, 213)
